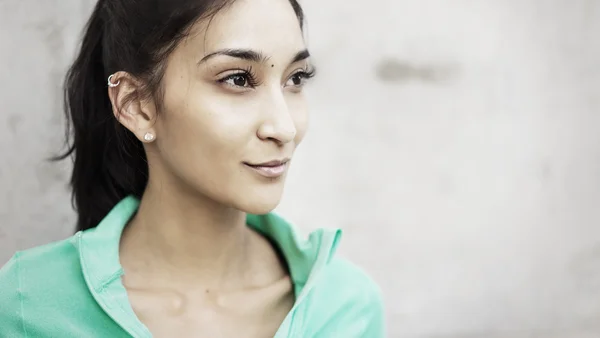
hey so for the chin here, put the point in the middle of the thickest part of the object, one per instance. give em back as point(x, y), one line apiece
point(260, 207)
point(259, 202)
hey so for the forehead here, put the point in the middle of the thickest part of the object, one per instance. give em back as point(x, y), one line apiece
point(269, 26)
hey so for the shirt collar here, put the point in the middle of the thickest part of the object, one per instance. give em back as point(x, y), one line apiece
point(99, 247)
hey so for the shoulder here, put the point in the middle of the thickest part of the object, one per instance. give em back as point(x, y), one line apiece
point(47, 261)
point(33, 272)
point(350, 283)
point(346, 302)
point(38, 282)
point(11, 321)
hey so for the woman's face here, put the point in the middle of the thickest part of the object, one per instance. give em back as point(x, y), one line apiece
point(234, 109)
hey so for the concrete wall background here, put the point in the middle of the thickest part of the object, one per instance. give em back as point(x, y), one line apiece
point(456, 142)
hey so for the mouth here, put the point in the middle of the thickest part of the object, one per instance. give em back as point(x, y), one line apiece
point(271, 169)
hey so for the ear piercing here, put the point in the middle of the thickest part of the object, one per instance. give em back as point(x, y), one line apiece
point(149, 137)
point(111, 84)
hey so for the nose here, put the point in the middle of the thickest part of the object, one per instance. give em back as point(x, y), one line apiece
point(278, 124)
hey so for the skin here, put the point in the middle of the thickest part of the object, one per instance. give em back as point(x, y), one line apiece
point(193, 268)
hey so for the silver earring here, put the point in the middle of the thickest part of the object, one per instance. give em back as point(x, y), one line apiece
point(149, 137)
point(111, 84)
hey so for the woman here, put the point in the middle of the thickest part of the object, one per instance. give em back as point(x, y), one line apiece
point(178, 160)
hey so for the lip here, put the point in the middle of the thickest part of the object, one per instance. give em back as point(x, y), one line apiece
point(271, 169)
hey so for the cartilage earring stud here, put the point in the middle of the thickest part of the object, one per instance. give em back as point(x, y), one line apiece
point(111, 84)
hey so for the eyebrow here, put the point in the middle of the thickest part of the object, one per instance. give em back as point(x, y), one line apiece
point(251, 55)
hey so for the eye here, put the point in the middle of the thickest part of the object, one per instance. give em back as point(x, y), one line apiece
point(236, 80)
point(299, 78)
point(240, 79)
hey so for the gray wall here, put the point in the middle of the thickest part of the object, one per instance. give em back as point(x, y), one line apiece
point(455, 141)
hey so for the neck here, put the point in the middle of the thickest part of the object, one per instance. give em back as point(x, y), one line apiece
point(187, 237)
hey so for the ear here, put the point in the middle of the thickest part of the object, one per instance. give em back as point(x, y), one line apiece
point(130, 107)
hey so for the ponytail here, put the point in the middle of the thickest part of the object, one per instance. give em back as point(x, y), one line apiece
point(109, 163)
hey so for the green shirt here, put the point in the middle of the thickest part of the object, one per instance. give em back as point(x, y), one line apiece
point(73, 288)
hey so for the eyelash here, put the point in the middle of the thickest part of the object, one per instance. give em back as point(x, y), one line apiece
point(306, 73)
point(250, 75)
point(247, 72)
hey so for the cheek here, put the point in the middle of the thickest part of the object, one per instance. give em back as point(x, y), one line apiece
point(208, 134)
point(206, 129)
point(204, 146)
point(299, 111)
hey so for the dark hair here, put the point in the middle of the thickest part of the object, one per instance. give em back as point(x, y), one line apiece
point(109, 162)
